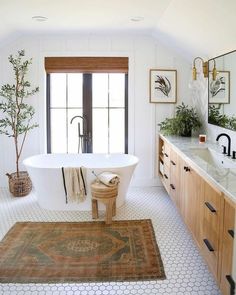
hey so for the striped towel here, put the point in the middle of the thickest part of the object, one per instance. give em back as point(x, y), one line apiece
point(74, 184)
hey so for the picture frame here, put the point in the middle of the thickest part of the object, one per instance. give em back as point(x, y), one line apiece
point(163, 86)
point(219, 90)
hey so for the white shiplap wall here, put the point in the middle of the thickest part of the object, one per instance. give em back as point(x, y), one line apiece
point(144, 53)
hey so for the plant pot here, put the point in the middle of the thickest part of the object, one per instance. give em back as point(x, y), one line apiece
point(20, 185)
point(186, 133)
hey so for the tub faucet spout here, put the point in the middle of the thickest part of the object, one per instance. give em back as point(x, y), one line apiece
point(85, 137)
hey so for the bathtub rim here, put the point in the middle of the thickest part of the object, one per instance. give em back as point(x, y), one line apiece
point(26, 161)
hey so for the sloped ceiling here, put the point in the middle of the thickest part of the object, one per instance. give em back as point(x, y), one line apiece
point(195, 27)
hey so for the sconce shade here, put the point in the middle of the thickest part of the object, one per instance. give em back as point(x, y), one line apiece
point(194, 73)
point(204, 68)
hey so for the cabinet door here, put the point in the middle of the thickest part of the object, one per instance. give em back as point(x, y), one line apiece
point(211, 226)
point(174, 177)
point(166, 154)
point(190, 198)
point(226, 280)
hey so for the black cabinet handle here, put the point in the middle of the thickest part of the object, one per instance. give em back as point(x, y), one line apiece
point(166, 176)
point(231, 232)
point(166, 155)
point(210, 207)
point(232, 284)
point(172, 186)
point(186, 168)
point(173, 163)
point(208, 244)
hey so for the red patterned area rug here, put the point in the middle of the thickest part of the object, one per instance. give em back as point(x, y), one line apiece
point(58, 252)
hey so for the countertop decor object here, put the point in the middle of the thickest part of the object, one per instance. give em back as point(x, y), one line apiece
point(185, 121)
point(16, 118)
point(60, 252)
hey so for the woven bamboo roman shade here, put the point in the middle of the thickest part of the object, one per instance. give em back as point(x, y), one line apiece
point(86, 64)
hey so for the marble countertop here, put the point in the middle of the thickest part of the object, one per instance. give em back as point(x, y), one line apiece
point(223, 178)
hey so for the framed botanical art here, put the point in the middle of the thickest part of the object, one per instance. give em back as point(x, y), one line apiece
point(163, 86)
point(219, 89)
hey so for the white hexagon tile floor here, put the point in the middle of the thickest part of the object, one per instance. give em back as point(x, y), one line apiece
point(185, 269)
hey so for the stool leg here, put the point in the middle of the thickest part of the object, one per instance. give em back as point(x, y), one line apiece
point(114, 208)
point(109, 206)
point(94, 209)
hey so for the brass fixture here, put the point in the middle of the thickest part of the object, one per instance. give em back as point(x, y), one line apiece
point(214, 71)
point(204, 68)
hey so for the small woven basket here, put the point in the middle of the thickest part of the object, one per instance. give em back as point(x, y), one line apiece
point(20, 185)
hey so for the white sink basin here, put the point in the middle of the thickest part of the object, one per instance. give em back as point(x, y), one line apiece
point(213, 158)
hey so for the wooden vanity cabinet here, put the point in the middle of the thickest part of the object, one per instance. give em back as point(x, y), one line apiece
point(206, 211)
point(227, 284)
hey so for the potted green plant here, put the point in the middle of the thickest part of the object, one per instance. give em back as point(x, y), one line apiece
point(185, 121)
point(16, 118)
point(216, 117)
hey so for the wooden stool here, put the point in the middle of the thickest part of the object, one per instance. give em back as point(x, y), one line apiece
point(107, 195)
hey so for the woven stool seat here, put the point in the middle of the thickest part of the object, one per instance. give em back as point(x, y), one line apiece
point(107, 195)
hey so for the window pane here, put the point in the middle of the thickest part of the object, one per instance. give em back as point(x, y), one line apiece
point(117, 90)
point(100, 131)
point(75, 90)
point(58, 131)
point(73, 136)
point(100, 90)
point(117, 131)
point(58, 90)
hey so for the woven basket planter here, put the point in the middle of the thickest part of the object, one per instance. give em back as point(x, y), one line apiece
point(20, 185)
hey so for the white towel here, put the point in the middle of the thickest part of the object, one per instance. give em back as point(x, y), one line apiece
point(108, 178)
point(74, 184)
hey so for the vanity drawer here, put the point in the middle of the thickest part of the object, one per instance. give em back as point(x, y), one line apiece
point(166, 154)
point(174, 163)
point(174, 189)
point(166, 178)
point(213, 204)
point(210, 251)
point(212, 207)
point(226, 279)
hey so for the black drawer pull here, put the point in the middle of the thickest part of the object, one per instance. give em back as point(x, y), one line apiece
point(173, 163)
point(231, 232)
point(210, 207)
point(209, 246)
point(172, 186)
point(166, 176)
point(232, 284)
point(186, 168)
point(166, 155)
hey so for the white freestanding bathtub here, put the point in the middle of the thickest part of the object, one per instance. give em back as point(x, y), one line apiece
point(46, 174)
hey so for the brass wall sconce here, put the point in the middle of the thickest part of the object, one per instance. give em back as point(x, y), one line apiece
point(204, 68)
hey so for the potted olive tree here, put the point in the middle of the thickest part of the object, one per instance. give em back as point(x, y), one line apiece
point(16, 118)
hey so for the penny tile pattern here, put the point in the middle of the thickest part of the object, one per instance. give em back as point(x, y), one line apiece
point(185, 269)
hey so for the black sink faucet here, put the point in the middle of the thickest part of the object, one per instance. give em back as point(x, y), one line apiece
point(229, 142)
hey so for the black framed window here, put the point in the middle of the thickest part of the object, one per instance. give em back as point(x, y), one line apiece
point(98, 103)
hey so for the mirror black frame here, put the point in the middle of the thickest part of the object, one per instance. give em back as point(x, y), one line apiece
point(215, 117)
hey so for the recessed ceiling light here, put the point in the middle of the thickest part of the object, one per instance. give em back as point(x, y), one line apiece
point(39, 18)
point(137, 18)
